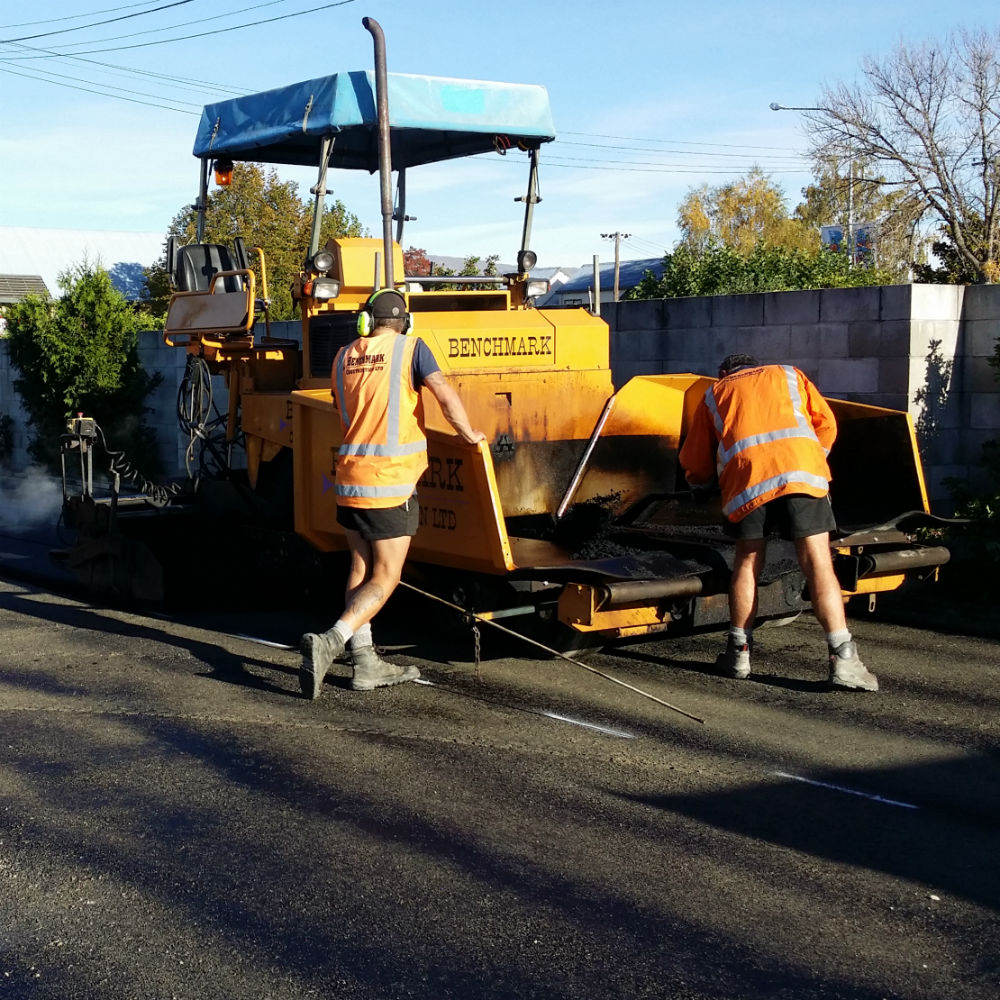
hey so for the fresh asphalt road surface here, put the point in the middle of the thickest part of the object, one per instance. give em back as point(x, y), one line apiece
point(177, 822)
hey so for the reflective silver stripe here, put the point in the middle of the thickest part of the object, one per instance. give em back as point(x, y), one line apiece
point(404, 490)
point(344, 415)
point(713, 409)
point(411, 448)
point(785, 479)
point(395, 365)
point(803, 427)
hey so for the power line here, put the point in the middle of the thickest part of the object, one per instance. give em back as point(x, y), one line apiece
point(190, 82)
point(654, 163)
point(671, 169)
point(645, 246)
point(77, 86)
point(180, 24)
point(74, 17)
point(681, 142)
point(111, 20)
point(117, 97)
point(627, 166)
point(218, 31)
point(678, 152)
point(150, 31)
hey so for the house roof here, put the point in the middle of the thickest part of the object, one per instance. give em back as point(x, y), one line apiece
point(14, 287)
point(630, 273)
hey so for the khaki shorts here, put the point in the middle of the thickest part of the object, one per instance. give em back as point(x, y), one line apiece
point(376, 523)
point(793, 516)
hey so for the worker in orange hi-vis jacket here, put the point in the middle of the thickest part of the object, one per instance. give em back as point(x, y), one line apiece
point(376, 381)
point(765, 432)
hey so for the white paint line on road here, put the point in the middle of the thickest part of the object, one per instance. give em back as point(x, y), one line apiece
point(262, 642)
point(621, 734)
point(846, 791)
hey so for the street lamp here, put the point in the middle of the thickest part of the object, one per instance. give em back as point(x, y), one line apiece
point(775, 106)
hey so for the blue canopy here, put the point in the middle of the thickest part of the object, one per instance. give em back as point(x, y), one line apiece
point(430, 119)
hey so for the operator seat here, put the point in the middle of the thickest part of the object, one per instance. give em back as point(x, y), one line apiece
point(196, 263)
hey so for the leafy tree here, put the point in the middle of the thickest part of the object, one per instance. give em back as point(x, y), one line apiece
point(79, 353)
point(720, 269)
point(928, 116)
point(741, 215)
point(851, 193)
point(158, 290)
point(470, 269)
point(416, 262)
point(267, 212)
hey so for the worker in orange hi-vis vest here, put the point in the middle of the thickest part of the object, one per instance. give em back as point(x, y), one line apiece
point(765, 432)
point(376, 381)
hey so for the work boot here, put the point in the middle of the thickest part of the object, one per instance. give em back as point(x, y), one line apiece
point(735, 661)
point(847, 671)
point(371, 671)
point(319, 650)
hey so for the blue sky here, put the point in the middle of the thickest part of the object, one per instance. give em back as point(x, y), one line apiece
point(649, 98)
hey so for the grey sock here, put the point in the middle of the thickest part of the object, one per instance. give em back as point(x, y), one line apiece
point(836, 639)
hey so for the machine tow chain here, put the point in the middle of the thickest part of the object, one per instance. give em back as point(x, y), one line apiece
point(552, 652)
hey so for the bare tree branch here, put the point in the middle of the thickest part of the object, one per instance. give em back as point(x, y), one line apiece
point(928, 116)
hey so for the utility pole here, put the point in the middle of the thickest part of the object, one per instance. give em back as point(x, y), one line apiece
point(617, 237)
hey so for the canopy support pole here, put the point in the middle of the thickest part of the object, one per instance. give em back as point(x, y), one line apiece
point(319, 191)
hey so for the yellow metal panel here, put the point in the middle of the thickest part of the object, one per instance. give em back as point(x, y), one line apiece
point(354, 263)
point(636, 453)
point(268, 416)
point(877, 473)
point(494, 340)
point(461, 522)
point(578, 609)
point(877, 584)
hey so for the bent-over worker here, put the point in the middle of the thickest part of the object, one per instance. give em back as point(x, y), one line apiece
point(766, 431)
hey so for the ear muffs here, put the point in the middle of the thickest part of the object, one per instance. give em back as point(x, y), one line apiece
point(366, 319)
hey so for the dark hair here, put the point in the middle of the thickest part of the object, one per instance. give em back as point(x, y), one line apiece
point(399, 325)
point(734, 361)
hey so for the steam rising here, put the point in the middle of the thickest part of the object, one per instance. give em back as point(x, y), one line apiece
point(28, 500)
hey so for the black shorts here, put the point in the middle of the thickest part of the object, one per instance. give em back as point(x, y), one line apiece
point(793, 516)
point(376, 523)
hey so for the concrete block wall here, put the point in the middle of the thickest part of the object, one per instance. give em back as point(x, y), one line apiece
point(920, 348)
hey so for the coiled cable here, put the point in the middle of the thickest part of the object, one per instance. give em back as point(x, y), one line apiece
point(206, 454)
point(123, 469)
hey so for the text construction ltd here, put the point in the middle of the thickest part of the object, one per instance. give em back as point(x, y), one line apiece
point(500, 347)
